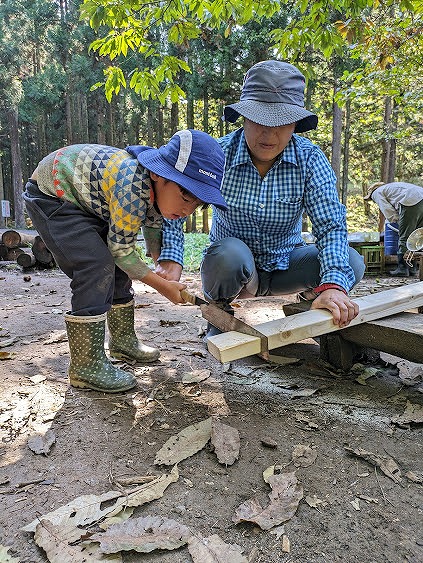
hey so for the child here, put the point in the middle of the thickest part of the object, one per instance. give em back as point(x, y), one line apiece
point(88, 203)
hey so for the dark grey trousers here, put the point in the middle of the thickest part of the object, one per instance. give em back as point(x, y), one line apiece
point(228, 268)
point(78, 242)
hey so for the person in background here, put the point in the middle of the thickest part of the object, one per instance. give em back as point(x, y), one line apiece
point(402, 203)
point(88, 202)
point(272, 176)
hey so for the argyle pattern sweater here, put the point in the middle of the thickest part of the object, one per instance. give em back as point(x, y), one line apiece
point(109, 183)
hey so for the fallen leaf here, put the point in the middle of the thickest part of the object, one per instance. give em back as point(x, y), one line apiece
point(55, 542)
point(37, 378)
point(5, 557)
point(226, 442)
point(8, 342)
point(286, 544)
point(414, 477)
point(214, 550)
point(6, 355)
point(284, 499)
point(355, 504)
point(196, 376)
point(57, 336)
point(366, 373)
point(303, 456)
point(386, 464)
point(42, 443)
point(184, 444)
point(144, 534)
point(87, 509)
point(313, 501)
point(282, 360)
point(412, 413)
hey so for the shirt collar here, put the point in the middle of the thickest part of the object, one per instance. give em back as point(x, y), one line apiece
point(242, 156)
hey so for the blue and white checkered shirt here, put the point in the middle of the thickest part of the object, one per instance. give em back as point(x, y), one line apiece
point(266, 213)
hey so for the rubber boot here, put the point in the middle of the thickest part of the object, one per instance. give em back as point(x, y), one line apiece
point(402, 270)
point(123, 342)
point(89, 367)
point(211, 329)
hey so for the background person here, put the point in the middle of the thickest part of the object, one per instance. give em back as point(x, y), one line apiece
point(88, 203)
point(402, 203)
point(272, 176)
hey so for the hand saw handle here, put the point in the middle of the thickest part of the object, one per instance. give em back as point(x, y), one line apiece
point(187, 296)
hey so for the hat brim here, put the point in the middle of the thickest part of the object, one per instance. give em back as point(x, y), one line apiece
point(153, 161)
point(372, 189)
point(272, 114)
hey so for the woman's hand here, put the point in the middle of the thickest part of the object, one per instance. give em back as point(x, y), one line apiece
point(340, 305)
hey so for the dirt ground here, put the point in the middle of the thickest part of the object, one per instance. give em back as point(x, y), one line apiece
point(350, 511)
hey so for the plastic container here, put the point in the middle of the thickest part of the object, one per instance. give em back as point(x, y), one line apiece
point(391, 238)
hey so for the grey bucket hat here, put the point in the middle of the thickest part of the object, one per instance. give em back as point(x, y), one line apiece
point(273, 95)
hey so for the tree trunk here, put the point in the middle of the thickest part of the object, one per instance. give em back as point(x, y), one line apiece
point(174, 118)
point(12, 116)
point(346, 159)
point(206, 228)
point(387, 117)
point(2, 221)
point(206, 111)
point(336, 143)
point(190, 113)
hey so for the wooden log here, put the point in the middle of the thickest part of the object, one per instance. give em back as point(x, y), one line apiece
point(26, 260)
point(41, 252)
point(17, 239)
point(13, 253)
point(232, 345)
point(3, 251)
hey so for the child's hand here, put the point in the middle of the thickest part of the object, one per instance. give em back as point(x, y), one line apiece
point(173, 291)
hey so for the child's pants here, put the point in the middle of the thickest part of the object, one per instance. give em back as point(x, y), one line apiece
point(78, 242)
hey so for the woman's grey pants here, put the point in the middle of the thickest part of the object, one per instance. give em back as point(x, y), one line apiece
point(228, 267)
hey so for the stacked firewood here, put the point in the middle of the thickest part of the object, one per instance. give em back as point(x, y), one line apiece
point(25, 248)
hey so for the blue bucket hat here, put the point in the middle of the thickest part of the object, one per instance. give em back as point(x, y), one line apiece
point(192, 159)
point(273, 95)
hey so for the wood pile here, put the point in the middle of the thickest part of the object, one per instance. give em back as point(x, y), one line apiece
point(26, 248)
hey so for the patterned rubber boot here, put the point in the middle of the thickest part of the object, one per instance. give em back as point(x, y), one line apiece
point(89, 367)
point(123, 342)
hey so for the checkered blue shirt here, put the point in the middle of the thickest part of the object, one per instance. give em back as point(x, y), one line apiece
point(266, 213)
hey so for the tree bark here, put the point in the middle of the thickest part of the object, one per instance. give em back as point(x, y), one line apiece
point(346, 159)
point(336, 142)
point(17, 177)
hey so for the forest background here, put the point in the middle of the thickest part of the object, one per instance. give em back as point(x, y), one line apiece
point(122, 72)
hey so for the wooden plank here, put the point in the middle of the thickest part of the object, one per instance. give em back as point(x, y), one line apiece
point(400, 335)
point(231, 346)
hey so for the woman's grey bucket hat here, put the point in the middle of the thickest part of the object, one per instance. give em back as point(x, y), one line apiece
point(273, 95)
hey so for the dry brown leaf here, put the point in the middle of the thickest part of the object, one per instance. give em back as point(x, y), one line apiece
point(214, 550)
point(6, 355)
point(386, 464)
point(284, 499)
point(226, 442)
point(144, 535)
point(303, 456)
point(55, 542)
point(87, 509)
point(412, 413)
point(5, 557)
point(195, 376)
point(184, 444)
point(42, 443)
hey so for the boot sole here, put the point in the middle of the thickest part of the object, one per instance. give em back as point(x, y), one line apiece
point(84, 385)
point(131, 360)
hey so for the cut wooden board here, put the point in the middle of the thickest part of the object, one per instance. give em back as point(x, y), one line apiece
point(232, 345)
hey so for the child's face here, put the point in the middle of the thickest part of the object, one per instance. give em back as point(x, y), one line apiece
point(172, 200)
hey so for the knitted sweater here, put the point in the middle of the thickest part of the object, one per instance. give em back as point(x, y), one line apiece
point(109, 183)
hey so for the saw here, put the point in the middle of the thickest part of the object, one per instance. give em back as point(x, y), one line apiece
point(226, 322)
